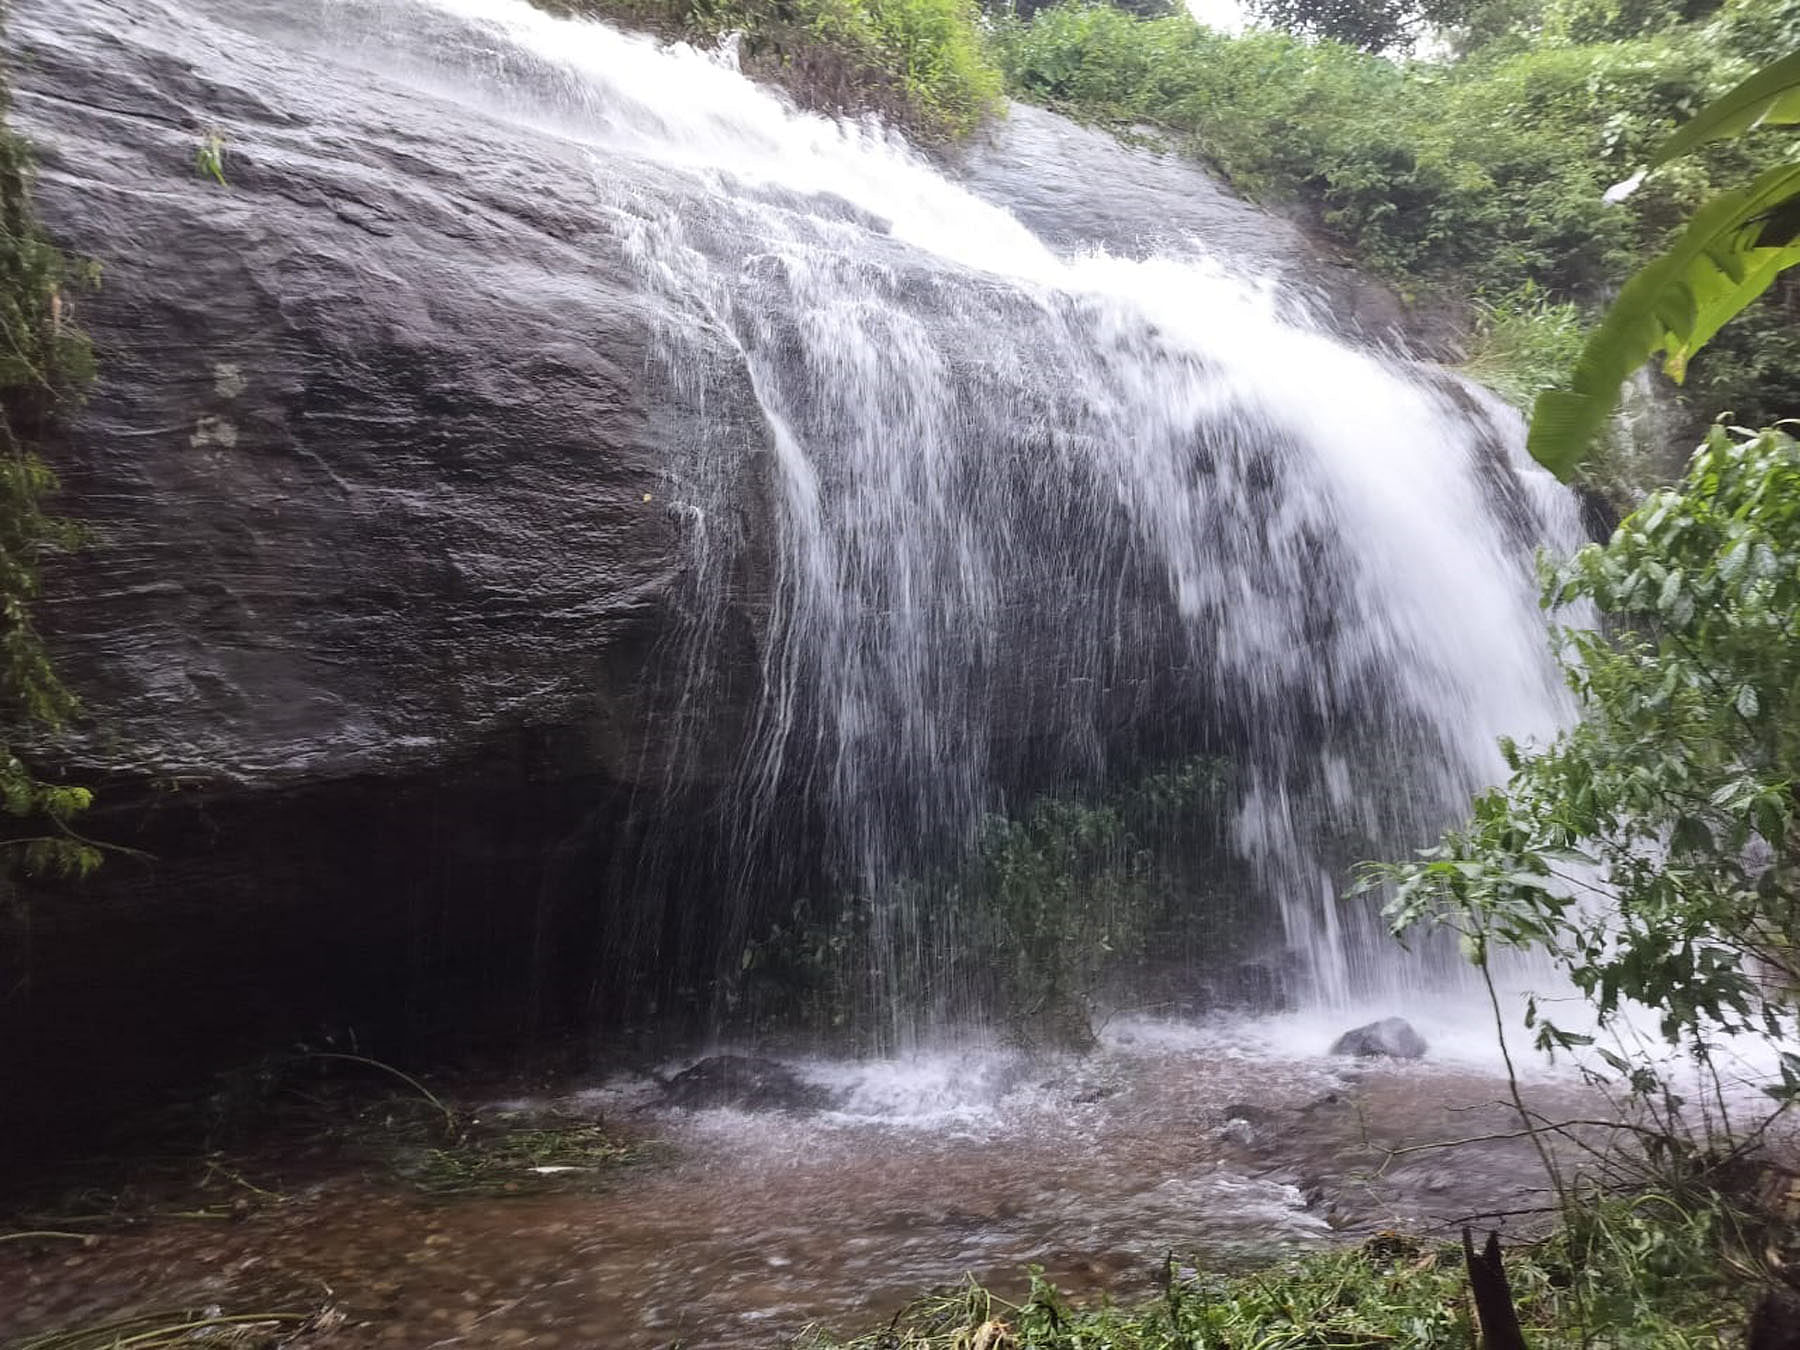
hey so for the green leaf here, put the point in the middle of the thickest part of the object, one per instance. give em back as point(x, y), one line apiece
point(1674, 304)
point(1770, 97)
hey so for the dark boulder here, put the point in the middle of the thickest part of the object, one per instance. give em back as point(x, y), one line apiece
point(1390, 1038)
point(382, 557)
point(745, 1082)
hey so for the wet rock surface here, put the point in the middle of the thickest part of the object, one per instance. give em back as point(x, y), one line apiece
point(429, 607)
point(1389, 1038)
point(380, 558)
point(1081, 187)
point(746, 1082)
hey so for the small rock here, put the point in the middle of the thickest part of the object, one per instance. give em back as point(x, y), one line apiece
point(1249, 1113)
point(1239, 1132)
point(1390, 1038)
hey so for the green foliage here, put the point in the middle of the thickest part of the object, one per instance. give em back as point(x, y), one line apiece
point(1751, 369)
point(1026, 929)
point(1523, 343)
point(921, 63)
point(1731, 252)
point(1486, 175)
point(1636, 1274)
point(1052, 902)
point(44, 362)
point(1654, 848)
point(1729, 255)
point(1771, 97)
point(1727, 258)
point(1373, 25)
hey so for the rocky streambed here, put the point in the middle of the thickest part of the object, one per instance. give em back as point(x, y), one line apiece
point(1218, 1146)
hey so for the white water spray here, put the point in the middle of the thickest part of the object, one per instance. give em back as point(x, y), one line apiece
point(1097, 507)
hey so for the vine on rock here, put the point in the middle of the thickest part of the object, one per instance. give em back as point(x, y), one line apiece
point(45, 363)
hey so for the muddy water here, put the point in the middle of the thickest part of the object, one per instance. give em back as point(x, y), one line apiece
point(1222, 1145)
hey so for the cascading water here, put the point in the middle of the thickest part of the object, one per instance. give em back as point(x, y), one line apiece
point(1024, 519)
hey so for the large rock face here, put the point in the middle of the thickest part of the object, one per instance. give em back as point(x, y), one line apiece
point(525, 496)
point(379, 551)
point(371, 470)
point(1080, 188)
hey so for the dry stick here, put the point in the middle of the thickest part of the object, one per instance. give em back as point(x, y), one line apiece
point(1464, 1220)
point(45, 1233)
point(183, 1328)
point(1607, 1161)
point(1512, 1079)
point(1530, 1131)
point(142, 1331)
point(1493, 1296)
point(407, 1078)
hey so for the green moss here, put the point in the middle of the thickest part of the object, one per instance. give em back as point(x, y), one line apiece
point(45, 362)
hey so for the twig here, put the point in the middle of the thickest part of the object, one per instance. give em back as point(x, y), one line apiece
point(1512, 1077)
point(183, 1328)
point(1529, 1132)
point(404, 1077)
point(1461, 1220)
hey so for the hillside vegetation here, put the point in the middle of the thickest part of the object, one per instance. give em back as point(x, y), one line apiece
point(1470, 170)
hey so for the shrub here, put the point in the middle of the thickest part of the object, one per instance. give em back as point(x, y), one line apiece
point(1653, 849)
point(44, 362)
point(922, 64)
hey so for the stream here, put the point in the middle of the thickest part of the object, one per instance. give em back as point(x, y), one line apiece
point(1221, 1145)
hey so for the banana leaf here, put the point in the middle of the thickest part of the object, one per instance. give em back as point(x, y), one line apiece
point(1771, 97)
point(1732, 250)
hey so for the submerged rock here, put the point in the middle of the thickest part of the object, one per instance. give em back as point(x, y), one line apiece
point(746, 1082)
point(1390, 1038)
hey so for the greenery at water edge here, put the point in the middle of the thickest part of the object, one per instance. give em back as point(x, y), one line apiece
point(1652, 851)
point(1676, 798)
point(1482, 175)
point(45, 361)
point(1649, 1273)
point(1680, 785)
point(922, 64)
point(1029, 928)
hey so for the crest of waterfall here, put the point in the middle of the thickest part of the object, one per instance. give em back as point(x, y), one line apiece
point(1038, 519)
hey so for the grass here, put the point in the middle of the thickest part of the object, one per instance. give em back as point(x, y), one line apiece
point(1523, 344)
point(195, 1326)
point(922, 65)
point(510, 1153)
point(1644, 1273)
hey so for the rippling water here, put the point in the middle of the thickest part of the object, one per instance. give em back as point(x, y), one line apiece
point(933, 1167)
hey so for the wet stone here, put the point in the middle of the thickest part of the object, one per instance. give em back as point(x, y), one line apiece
point(745, 1082)
point(1390, 1038)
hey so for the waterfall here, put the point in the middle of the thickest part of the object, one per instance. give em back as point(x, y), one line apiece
point(1024, 519)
